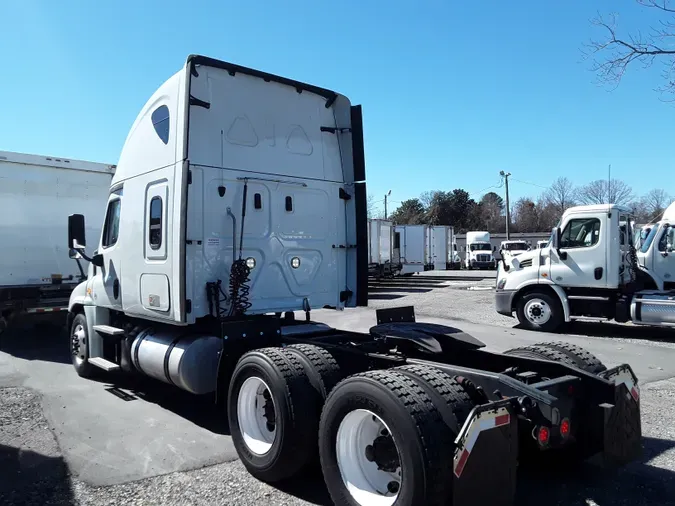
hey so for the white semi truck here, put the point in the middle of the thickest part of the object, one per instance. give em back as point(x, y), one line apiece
point(479, 251)
point(590, 269)
point(239, 199)
point(514, 248)
point(37, 193)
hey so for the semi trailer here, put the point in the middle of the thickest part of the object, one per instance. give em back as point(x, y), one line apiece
point(438, 240)
point(383, 256)
point(591, 269)
point(239, 200)
point(413, 243)
point(37, 194)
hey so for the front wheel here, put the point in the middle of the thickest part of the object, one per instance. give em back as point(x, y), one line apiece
point(539, 311)
point(79, 346)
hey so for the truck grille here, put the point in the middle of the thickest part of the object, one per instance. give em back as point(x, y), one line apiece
point(483, 258)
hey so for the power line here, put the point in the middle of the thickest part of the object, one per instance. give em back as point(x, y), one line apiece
point(531, 184)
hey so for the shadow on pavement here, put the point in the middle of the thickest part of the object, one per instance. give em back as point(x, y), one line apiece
point(610, 329)
point(37, 340)
point(30, 478)
point(198, 409)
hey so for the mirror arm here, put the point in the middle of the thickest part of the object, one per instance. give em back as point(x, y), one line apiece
point(82, 254)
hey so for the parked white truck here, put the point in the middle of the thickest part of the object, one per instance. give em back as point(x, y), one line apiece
point(514, 248)
point(479, 251)
point(239, 199)
point(37, 193)
point(590, 269)
point(383, 258)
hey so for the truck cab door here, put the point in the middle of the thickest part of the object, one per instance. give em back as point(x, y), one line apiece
point(105, 284)
point(581, 260)
point(663, 258)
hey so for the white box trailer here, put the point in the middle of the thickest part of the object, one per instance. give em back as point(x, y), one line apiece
point(437, 247)
point(37, 193)
point(413, 248)
point(381, 258)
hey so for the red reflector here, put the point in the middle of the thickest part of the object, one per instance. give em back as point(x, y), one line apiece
point(461, 463)
point(502, 420)
point(543, 435)
point(634, 392)
point(565, 427)
point(570, 390)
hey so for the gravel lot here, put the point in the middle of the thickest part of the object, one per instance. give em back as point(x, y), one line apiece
point(34, 472)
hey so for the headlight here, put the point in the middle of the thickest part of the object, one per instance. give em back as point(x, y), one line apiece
point(500, 285)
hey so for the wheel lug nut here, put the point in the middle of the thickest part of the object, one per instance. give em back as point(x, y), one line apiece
point(393, 487)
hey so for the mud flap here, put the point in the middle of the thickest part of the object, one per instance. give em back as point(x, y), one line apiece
point(622, 428)
point(486, 457)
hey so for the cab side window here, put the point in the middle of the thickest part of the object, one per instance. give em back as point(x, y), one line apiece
point(111, 228)
point(581, 233)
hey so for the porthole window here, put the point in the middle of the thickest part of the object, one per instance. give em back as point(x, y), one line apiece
point(160, 120)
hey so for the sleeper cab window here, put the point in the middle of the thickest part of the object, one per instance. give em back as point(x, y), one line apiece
point(155, 223)
point(160, 120)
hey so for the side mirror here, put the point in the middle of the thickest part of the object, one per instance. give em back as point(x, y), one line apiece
point(76, 236)
point(555, 243)
point(555, 238)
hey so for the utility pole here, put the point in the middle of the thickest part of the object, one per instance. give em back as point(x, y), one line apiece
point(385, 203)
point(506, 175)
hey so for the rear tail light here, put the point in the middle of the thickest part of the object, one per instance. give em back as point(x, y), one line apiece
point(543, 435)
point(565, 428)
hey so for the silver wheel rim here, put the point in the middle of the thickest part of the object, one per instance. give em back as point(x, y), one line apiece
point(79, 344)
point(256, 414)
point(367, 482)
point(537, 311)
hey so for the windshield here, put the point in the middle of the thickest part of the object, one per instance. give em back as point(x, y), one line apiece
point(516, 246)
point(480, 247)
point(649, 240)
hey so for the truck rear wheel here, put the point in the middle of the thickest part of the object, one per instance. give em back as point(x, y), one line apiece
point(566, 353)
point(321, 367)
point(79, 346)
point(272, 414)
point(539, 311)
point(383, 441)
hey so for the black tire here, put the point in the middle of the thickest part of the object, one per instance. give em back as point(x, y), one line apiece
point(321, 367)
point(422, 438)
point(447, 394)
point(296, 414)
point(583, 358)
point(542, 351)
point(79, 347)
point(556, 313)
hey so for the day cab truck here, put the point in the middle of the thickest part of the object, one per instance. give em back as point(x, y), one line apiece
point(590, 269)
point(513, 248)
point(37, 194)
point(239, 199)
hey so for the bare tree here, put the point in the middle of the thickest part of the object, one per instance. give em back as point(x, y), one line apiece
point(614, 53)
point(605, 192)
point(370, 205)
point(561, 195)
point(655, 202)
point(427, 197)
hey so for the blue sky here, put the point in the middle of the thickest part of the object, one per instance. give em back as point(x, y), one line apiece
point(453, 92)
